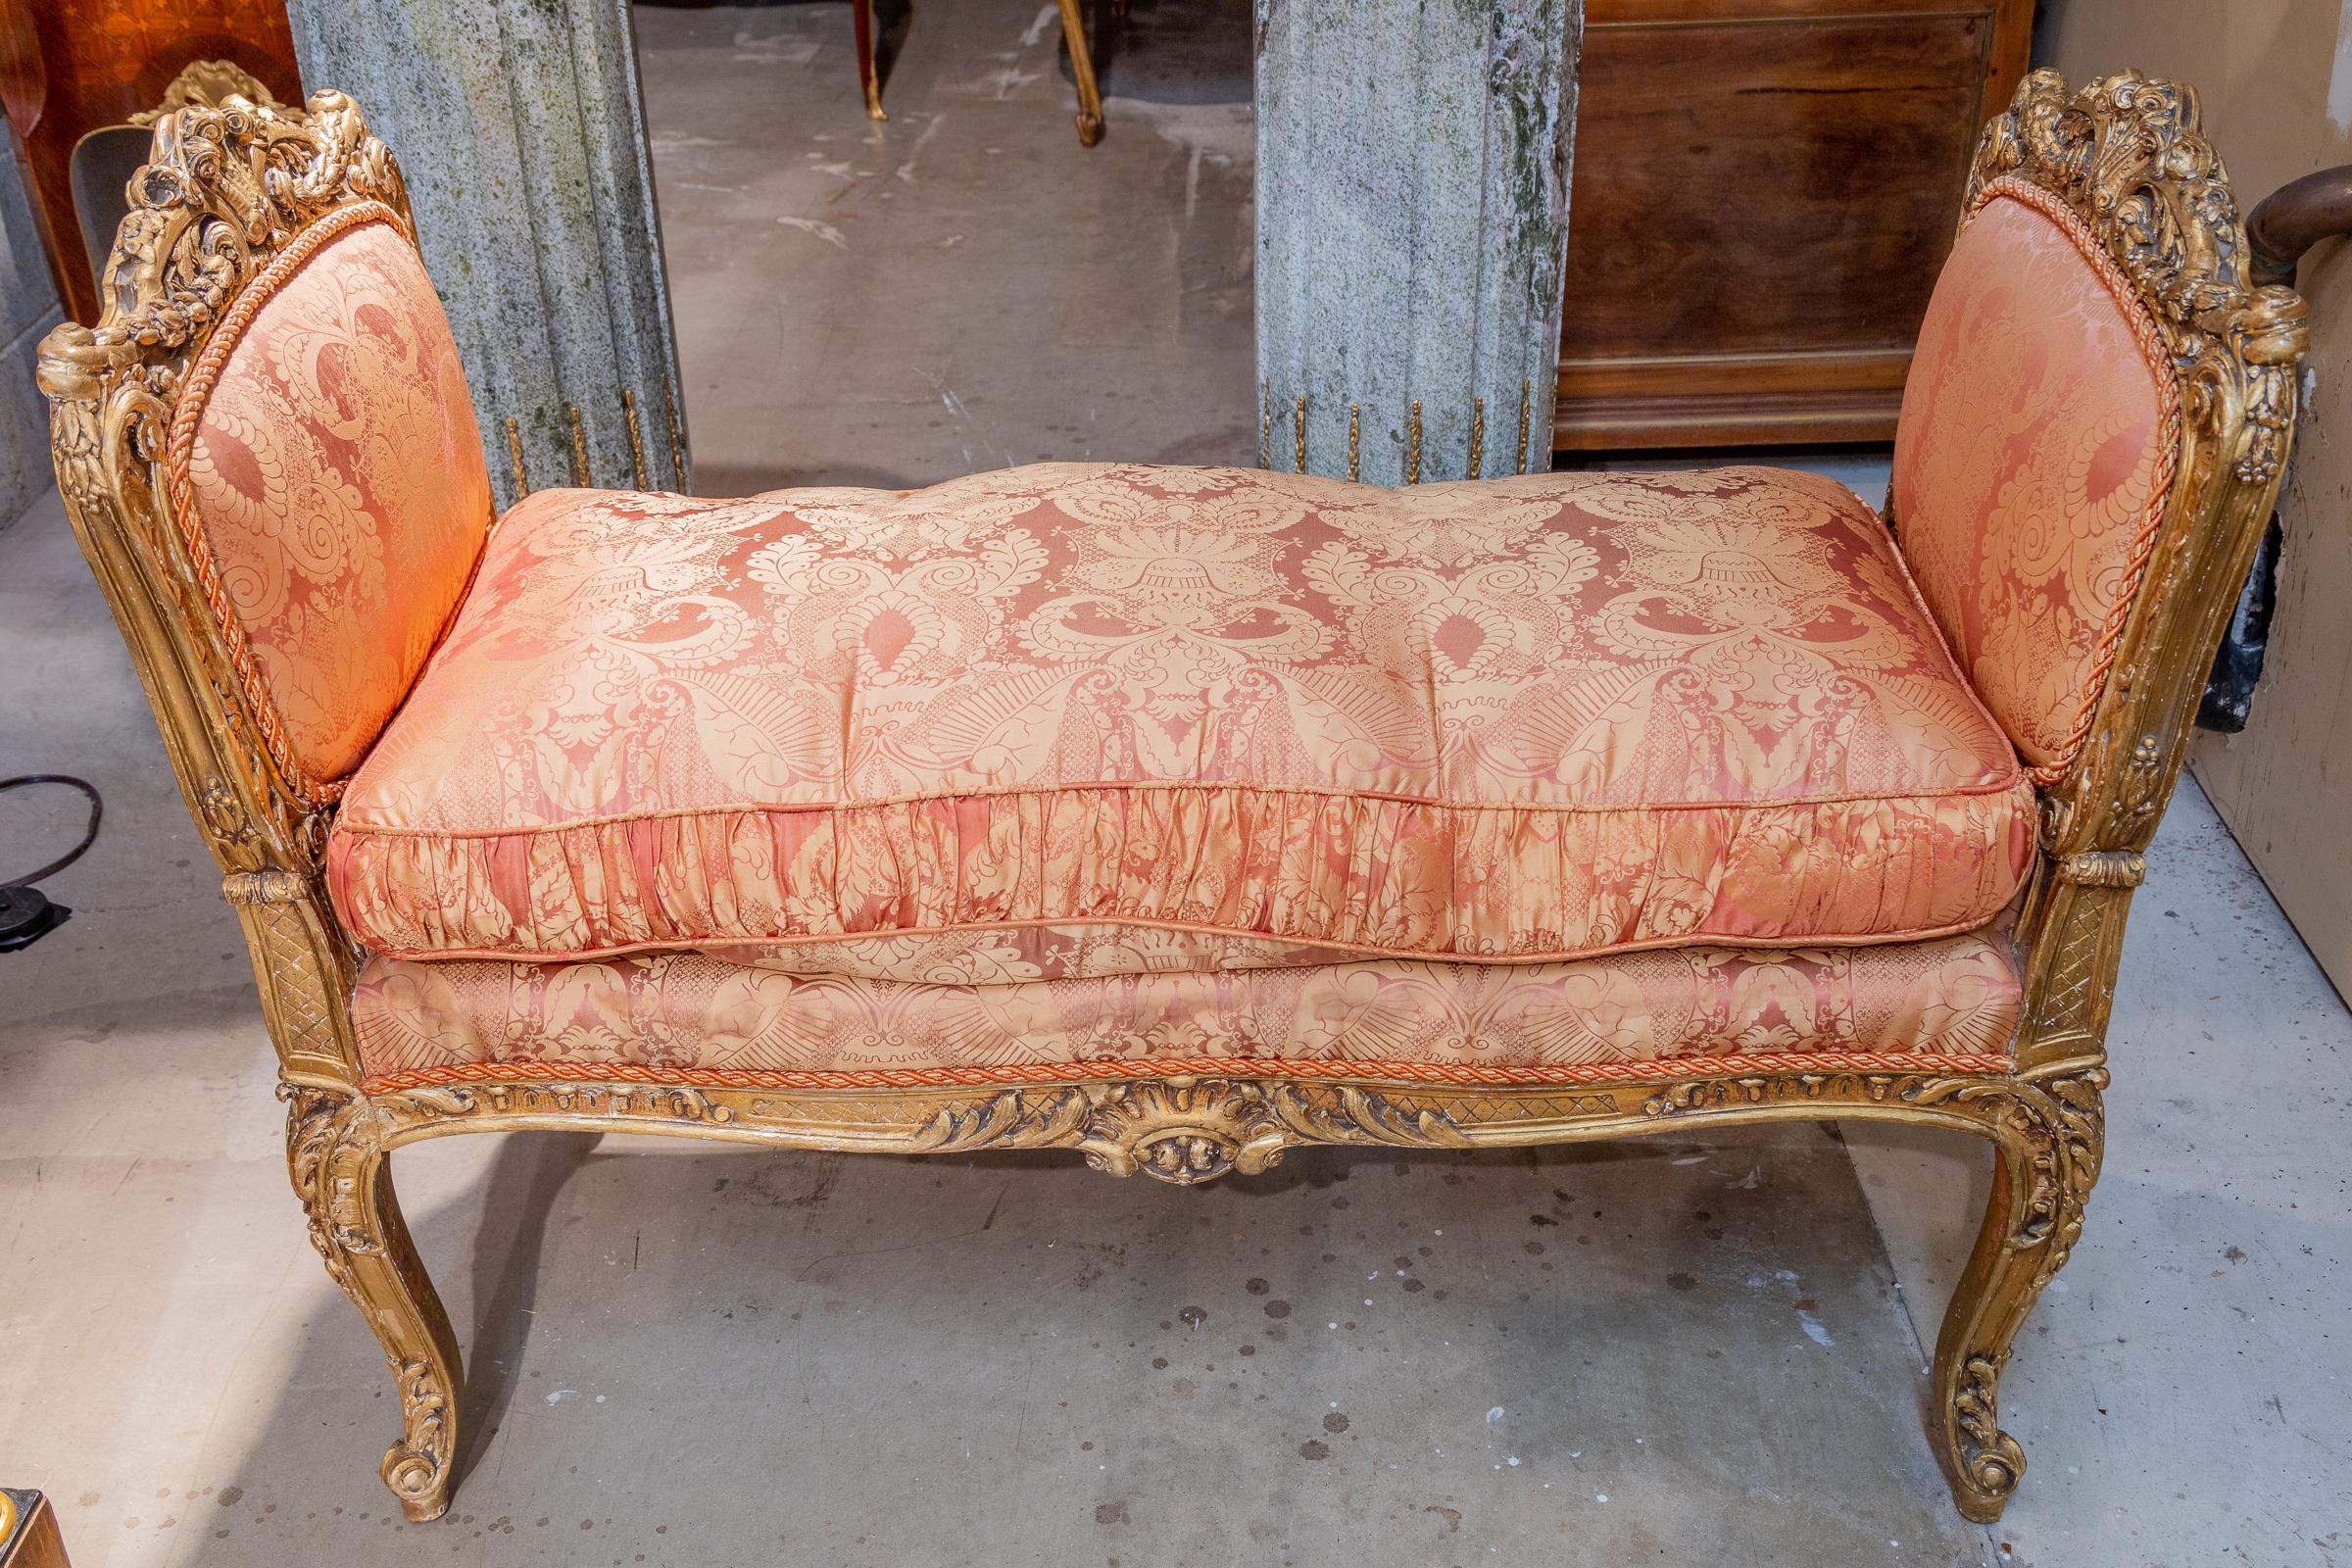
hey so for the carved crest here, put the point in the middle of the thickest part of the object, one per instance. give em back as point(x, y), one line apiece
point(2127, 155)
point(209, 84)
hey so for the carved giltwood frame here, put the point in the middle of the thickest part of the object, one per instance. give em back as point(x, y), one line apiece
point(231, 187)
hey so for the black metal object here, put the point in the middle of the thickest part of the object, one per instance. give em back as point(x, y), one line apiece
point(2283, 225)
point(2237, 666)
point(26, 914)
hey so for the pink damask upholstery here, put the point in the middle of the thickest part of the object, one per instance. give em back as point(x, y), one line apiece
point(1526, 720)
point(692, 1018)
point(2032, 464)
point(328, 473)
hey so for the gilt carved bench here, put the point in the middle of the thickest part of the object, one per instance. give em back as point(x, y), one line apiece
point(1179, 816)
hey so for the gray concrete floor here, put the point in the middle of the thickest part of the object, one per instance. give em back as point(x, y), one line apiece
point(1677, 1352)
point(963, 286)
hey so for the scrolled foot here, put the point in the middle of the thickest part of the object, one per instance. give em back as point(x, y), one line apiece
point(416, 1467)
point(420, 1485)
point(1090, 129)
point(1985, 1463)
point(2048, 1134)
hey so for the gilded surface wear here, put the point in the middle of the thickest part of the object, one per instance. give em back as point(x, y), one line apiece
point(2031, 464)
point(1526, 718)
point(336, 485)
point(968, 1009)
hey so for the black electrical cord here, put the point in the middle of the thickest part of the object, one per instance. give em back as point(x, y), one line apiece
point(88, 838)
point(26, 914)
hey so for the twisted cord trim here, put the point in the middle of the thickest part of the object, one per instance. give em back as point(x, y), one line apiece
point(180, 451)
point(2157, 352)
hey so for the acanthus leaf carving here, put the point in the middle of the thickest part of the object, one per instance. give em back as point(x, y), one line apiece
point(1187, 1131)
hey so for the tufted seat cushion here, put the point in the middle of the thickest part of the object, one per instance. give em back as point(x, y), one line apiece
point(1525, 720)
point(967, 1009)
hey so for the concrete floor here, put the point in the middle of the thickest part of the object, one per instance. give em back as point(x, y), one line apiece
point(963, 286)
point(1674, 1352)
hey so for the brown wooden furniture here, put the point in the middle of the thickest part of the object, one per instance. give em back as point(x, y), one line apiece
point(28, 1537)
point(1726, 282)
point(1073, 32)
point(70, 66)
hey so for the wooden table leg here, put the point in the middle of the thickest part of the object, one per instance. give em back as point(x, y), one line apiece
point(861, 12)
point(1082, 66)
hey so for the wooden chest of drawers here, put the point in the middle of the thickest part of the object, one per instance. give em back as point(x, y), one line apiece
point(1763, 192)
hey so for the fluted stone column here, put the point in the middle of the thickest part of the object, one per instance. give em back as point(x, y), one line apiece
point(1412, 225)
point(520, 129)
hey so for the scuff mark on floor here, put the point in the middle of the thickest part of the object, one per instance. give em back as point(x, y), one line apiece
point(824, 231)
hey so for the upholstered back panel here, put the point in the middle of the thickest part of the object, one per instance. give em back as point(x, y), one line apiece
point(2031, 466)
point(327, 477)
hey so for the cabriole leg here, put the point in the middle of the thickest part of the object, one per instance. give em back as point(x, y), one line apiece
point(337, 1163)
point(2048, 1134)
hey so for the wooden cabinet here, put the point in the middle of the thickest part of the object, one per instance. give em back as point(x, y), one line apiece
point(71, 67)
point(1763, 192)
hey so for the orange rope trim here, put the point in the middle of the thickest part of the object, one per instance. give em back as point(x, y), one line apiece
point(1468, 1075)
point(2157, 352)
point(178, 450)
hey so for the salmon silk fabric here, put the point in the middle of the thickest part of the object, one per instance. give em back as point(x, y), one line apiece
point(695, 1018)
point(2032, 463)
point(335, 480)
point(1529, 719)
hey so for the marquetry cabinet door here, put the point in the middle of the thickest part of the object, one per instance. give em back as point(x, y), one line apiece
point(1763, 192)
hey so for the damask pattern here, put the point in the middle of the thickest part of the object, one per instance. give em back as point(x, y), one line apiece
point(330, 472)
point(994, 954)
point(695, 1012)
point(2032, 463)
point(1515, 720)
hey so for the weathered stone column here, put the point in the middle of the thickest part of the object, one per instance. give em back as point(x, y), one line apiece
point(520, 129)
point(1413, 224)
